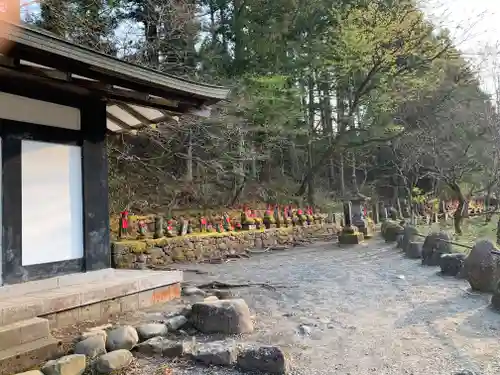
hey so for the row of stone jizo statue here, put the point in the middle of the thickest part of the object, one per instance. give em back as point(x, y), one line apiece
point(158, 226)
point(478, 264)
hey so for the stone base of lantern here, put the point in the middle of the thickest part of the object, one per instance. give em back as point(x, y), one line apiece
point(350, 236)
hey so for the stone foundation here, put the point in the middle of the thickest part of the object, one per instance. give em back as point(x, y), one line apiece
point(139, 254)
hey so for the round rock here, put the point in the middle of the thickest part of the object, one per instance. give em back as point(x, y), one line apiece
point(219, 353)
point(147, 331)
point(91, 347)
point(451, 264)
point(125, 337)
point(222, 316)
point(482, 268)
point(434, 247)
point(68, 365)
point(267, 359)
point(113, 361)
point(409, 235)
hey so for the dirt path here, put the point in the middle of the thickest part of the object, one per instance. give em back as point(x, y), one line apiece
point(367, 310)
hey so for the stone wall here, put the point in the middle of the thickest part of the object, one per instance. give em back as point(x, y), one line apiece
point(139, 254)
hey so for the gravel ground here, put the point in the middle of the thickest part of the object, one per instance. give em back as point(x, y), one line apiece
point(368, 310)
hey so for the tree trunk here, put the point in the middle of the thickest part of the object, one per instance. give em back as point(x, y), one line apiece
point(254, 163)
point(310, 182)
point(151, 33)
point(487, 204)
point(238, 42)
point(354, 180)
point(189, 159)
point(458, 216)
point(498, 231)
point(342, 178)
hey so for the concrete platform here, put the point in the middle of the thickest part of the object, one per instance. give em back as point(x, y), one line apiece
point(61, 294)
point(29, 311)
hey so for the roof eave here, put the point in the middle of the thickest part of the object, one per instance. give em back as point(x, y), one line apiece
point(101, 63)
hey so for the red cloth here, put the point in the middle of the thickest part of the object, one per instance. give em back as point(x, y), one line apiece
point(124, 220)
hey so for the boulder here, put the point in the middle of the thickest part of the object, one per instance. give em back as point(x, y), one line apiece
point(482, 268)
point(125, 337)
point(175, 323)
point(391, 230)
point(414, 250)
point(113, 361)
point(409, 235)
point(91, 347)
point(68, 365)
point(267, 359)
point(433, 248)
point(220, 353)
point(451, 264)
point(222, 316)
point(161, 346)
point(150, 330)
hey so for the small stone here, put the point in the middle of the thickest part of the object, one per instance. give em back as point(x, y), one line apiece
point(161, 346)
point(92, 333)
point(91, 347)
point(210, 299)
point(192, 291)
point(176, 322)
point(223, 294)
point(68, 365)
point(150, 330)
point(466, 372)
point(222, 316)
point(112, 361)
point(125, 337)
point(32, 372)
point(219, 353)
point(268, 359)
point(304, 330)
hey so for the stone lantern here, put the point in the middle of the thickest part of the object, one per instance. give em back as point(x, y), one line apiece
point(359, 220)
point(356, 226)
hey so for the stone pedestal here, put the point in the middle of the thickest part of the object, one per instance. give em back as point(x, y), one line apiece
point(350, 236)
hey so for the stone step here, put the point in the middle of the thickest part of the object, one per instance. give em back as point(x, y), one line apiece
point(26, 356)
point(23, 332)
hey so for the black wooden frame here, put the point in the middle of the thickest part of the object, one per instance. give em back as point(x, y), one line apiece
point(95, 219)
